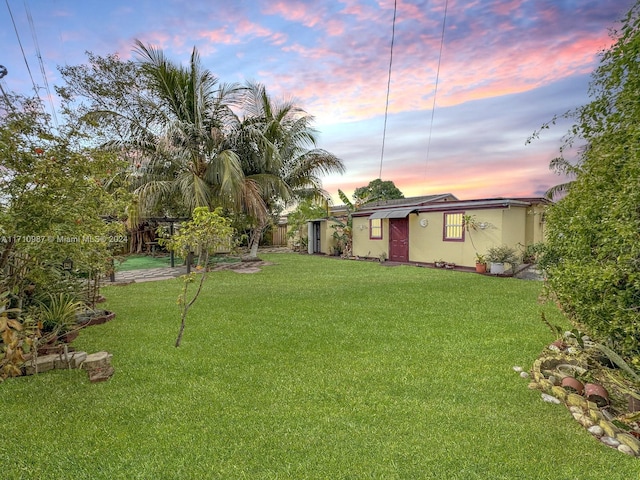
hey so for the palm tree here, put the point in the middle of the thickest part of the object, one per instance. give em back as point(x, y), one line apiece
point(184, 162)
point(277, 149)
point(561, 166)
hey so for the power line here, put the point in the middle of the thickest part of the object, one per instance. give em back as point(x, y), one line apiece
point(386, 108)
point(39, 55)
point(15, 28)
point(435, 92)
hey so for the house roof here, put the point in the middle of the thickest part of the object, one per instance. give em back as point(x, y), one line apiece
point(484, 203)
point(401, 208)
point(401, 204)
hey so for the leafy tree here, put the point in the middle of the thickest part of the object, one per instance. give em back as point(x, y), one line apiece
point(53, 203)
point(377, 190)
point(204, 234)
point(592, 253)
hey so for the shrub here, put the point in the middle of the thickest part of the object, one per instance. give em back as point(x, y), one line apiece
point(503, 254)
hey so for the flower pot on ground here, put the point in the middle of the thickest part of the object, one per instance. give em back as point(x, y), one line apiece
point(94, 317)
point(500, 255)
point(597, 394)
point(497, 268)
point(572, 385)
point(481, 263)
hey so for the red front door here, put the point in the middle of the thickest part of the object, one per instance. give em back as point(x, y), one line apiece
point(399, 239)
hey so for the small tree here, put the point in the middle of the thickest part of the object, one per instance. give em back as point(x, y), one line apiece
point(204, 233)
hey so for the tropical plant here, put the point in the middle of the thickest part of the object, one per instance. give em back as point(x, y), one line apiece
point(53, 202)
point(58, 313)
point(204, 234)
point(503, 254)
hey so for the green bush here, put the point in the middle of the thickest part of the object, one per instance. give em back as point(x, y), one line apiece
point(592, 253)
point(503, 254)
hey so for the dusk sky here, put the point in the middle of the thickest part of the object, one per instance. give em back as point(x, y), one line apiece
point(507, 66)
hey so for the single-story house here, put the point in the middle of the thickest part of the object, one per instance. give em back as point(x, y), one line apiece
point(431, 228)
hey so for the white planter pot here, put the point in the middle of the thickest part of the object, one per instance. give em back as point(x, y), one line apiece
point(497, 268)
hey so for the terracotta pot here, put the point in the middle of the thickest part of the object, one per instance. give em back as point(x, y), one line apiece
point(597, 394)
point(481, 267)
point(70, 336)
point(572, 385)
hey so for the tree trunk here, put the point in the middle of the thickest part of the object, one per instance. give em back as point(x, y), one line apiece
point(254, 239)
point(180, 332)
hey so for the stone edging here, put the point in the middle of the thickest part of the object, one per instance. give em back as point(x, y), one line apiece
point(97, 365)
point(586, 413)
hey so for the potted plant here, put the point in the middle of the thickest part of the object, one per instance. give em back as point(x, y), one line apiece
point(481, 263)
point(498, 256)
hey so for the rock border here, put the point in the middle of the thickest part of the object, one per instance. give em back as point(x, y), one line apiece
point(586, 413)
point(97, 365)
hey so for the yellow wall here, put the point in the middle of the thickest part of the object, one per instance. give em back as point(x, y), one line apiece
point(363, 246)
point(505, 226)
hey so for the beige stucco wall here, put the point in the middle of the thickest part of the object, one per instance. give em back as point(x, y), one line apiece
point(363, 246)
point(535, 232)
point(505, 226)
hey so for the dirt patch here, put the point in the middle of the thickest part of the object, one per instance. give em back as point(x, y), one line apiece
point(244, 267)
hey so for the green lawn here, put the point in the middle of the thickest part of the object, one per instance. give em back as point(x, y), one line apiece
point(314, 368)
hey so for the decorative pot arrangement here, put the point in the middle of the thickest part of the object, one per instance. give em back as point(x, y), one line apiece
point(569, 375)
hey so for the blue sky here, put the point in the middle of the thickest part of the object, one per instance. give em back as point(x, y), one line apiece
point(507, 66)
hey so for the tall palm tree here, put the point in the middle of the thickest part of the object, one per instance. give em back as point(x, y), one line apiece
point(184, 161)
point(277, 149)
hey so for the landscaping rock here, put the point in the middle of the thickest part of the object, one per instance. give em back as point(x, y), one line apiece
point(43, 363)
point(596, 430)
point(97, 360)
point(550, 399)
point(69, 360)
point(517, 369)
point(100, 374)
point(608, 428)
point(629, 441)
point(559, 392)
point(626, 449)
point(610, 441)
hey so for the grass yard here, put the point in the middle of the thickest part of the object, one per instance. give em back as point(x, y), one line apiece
point(313, 368)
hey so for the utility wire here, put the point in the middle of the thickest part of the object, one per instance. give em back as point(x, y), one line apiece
point(39, 55)
point(435, 92)
point(35, 88)
point(386, 108)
